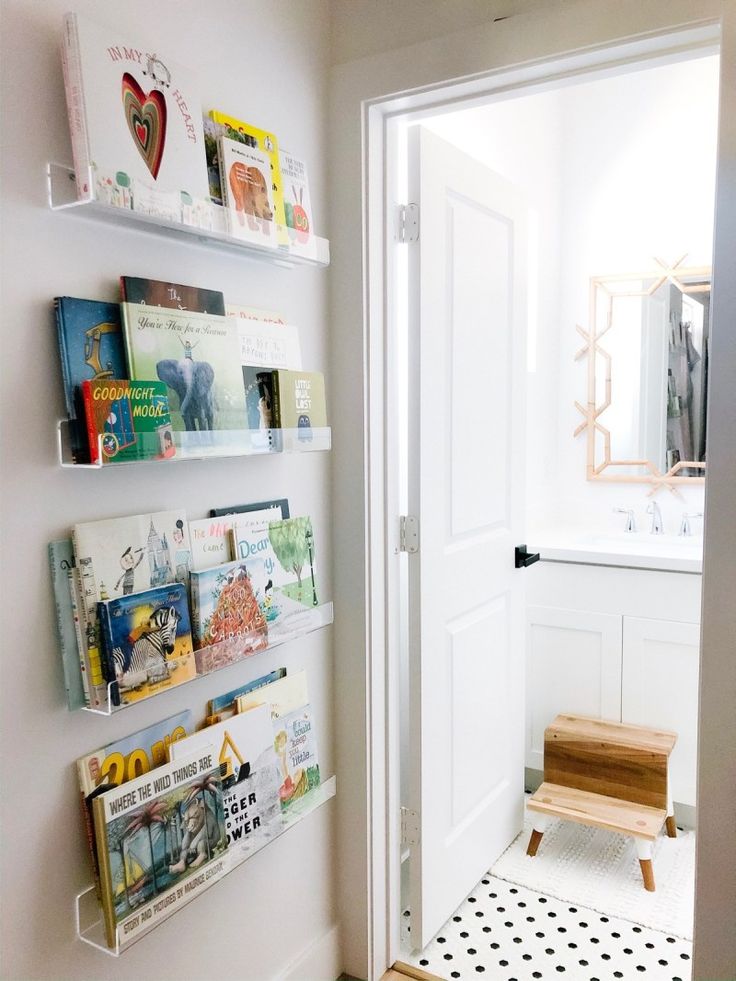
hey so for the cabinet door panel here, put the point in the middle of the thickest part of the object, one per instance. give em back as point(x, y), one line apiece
point(660, 688)
point(573, 665)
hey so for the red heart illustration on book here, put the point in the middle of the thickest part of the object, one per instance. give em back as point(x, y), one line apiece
point(146, 118)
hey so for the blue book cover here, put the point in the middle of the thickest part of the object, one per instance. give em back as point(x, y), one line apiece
point(90, 344)
point(147, 642)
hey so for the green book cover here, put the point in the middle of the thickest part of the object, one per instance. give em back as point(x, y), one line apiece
point(299, 399)
point(127, 420)
point(197, 355)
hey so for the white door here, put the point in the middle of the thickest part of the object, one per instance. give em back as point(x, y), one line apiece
point(467, 312)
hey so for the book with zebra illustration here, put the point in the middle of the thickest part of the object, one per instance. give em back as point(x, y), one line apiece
point(161, 841)
point(124, 760)
point(250, 776)
point(147, 641)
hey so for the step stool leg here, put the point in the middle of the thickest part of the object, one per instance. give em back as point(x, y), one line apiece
point(540, 825)
point(670, 821)
point(644, 851)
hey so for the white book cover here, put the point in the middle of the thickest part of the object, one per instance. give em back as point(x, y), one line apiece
point(264, 341)
point(245, 175)
point(212, 539)
point(244, 748)
point(297, 202)
point(135, 118)
point(120, 556)
point(281, 697)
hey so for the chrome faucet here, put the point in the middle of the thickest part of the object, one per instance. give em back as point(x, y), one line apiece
point(657, 528)
point(630, 519)
point(685, 528)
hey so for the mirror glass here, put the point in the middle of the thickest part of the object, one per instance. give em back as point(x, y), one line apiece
point(648, 375)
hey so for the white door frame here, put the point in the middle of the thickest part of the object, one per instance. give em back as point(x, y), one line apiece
point(663, 38)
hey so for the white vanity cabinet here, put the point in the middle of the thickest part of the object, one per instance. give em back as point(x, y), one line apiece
point(619, 644)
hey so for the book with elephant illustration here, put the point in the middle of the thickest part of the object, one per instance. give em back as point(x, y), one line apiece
point(250, 777)
point(135, 121)
point(197, 355)
point(124, 760)
point(147, 642)
point(160, 839)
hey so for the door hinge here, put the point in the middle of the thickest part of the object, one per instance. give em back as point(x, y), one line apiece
point(408, 533)
point(409, 826)
point(407, 223)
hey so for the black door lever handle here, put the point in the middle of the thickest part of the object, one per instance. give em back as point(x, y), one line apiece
point(523, 558)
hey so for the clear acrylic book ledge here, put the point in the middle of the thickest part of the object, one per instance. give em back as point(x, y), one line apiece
point(177, 214)
point(168, 446)
point(89, 924)
point(210, 659)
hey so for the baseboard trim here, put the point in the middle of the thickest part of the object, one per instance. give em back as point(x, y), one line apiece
point(320, 961)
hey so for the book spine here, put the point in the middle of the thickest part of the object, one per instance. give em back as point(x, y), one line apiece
point(195, 611)
point(107, 899)
point(92, 435)
point(89, 830)
point(276, 399)
point(64, 357)
point(79, 632)
point(54, 563)
point(72, 68)
point(107, 660)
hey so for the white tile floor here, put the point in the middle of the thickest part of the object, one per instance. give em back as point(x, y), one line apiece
point(511, 933)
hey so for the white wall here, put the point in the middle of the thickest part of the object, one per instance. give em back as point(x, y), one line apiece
point(616, 171)
point(264, 59)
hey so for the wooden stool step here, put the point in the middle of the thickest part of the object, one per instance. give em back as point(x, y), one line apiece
point(598, 810)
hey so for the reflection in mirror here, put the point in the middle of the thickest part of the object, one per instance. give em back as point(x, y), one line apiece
point(647, 376)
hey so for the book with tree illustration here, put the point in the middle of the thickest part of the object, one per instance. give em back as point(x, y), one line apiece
point(224, 608)
point(123, 760)
point(147, 642)
point(160, 841)
point(244, 745)
point(135, 121)
point(280, 560)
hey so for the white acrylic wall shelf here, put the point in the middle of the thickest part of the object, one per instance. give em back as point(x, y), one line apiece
point(215, 226)
point(208, 660)
point(89, 924)
point(199, 445)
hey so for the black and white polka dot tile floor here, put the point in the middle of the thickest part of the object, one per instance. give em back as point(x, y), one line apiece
point(510, 933)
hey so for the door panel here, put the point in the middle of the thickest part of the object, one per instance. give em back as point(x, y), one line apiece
point(467, 332)
point(573, 665)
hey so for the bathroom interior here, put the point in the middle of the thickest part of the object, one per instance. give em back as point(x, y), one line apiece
point(619, 173)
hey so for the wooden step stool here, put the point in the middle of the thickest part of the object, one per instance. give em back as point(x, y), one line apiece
point(608, 775)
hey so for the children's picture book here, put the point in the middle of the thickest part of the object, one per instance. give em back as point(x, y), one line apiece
point(119, 556)
point(280, 507)
point(127, 420)
point(265, 343)
point(123, 760)
point(147, 642)
point(257, 383)
point(160, 840)
point(280, 560)
point(297, 202)
point(225, 705)
point(91, 347)
point(282, 696)
point(244, 747)
point(173, 296)
point(295, 743)
point(61, 563)
point(212, 134)
point(212, 540)
point(256, 139)
point(299, 399)
point(224, 608)
point(253, 313)
point(197, 355)
point(245, 180)
point(135, 120)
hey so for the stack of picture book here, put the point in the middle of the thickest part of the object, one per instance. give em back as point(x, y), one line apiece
point(147, 602)
point(173, 369)
point(140, 142)
point(170, 809)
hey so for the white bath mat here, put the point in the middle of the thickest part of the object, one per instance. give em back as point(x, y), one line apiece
point(600, 870)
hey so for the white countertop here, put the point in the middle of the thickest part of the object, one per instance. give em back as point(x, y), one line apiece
point(633, 550)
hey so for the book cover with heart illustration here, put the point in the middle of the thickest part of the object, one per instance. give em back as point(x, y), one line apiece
point(136, 123)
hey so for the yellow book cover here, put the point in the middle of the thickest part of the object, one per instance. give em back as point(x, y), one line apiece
point(236, 129)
